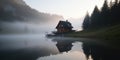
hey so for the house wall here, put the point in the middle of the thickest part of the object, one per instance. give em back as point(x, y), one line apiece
point(62, 30)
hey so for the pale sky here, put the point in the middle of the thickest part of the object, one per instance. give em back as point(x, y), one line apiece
point(66, 8)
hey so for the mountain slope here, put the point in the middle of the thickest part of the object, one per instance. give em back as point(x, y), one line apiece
point(11, 10)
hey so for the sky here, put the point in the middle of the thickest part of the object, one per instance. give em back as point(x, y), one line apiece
point(72, 10)
point(66, 8)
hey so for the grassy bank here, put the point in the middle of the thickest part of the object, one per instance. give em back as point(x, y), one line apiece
point(110, 34)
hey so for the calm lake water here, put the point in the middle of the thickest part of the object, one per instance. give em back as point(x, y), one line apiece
point(38, 47)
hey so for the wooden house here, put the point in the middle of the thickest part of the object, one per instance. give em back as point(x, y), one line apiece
point(64, 26)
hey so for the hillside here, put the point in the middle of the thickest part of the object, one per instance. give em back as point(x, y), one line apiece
point(12, 10)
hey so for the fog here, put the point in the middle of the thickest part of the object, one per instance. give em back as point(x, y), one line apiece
point(30, 37)
point(18, 27)
point(77, 23)
point(25, 27)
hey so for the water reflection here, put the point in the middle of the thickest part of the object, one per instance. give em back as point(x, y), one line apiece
point(35, 46)
point(25, 41)
point(76, 53)
point(25, 47)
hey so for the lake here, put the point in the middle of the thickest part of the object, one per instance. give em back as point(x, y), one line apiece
point(39, 47)
point(36, 47)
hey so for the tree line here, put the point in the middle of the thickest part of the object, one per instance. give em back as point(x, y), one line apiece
point(108, 15)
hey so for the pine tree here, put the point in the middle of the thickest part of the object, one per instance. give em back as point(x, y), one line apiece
point(86, 22)
point(108, 16)
point(105, 6)
point(105, 14)
point(115, 11)
point(95, 18)
point(111, 3)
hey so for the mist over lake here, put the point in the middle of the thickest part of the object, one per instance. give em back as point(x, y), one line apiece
point(34, 46)
point(25, 27)
point(59, 30)
point(17, 27)
point(28, 39)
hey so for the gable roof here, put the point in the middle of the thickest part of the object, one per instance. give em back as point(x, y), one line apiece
point(64, 24)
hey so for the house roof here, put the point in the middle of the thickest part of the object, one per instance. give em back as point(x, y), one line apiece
point(64, 24)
